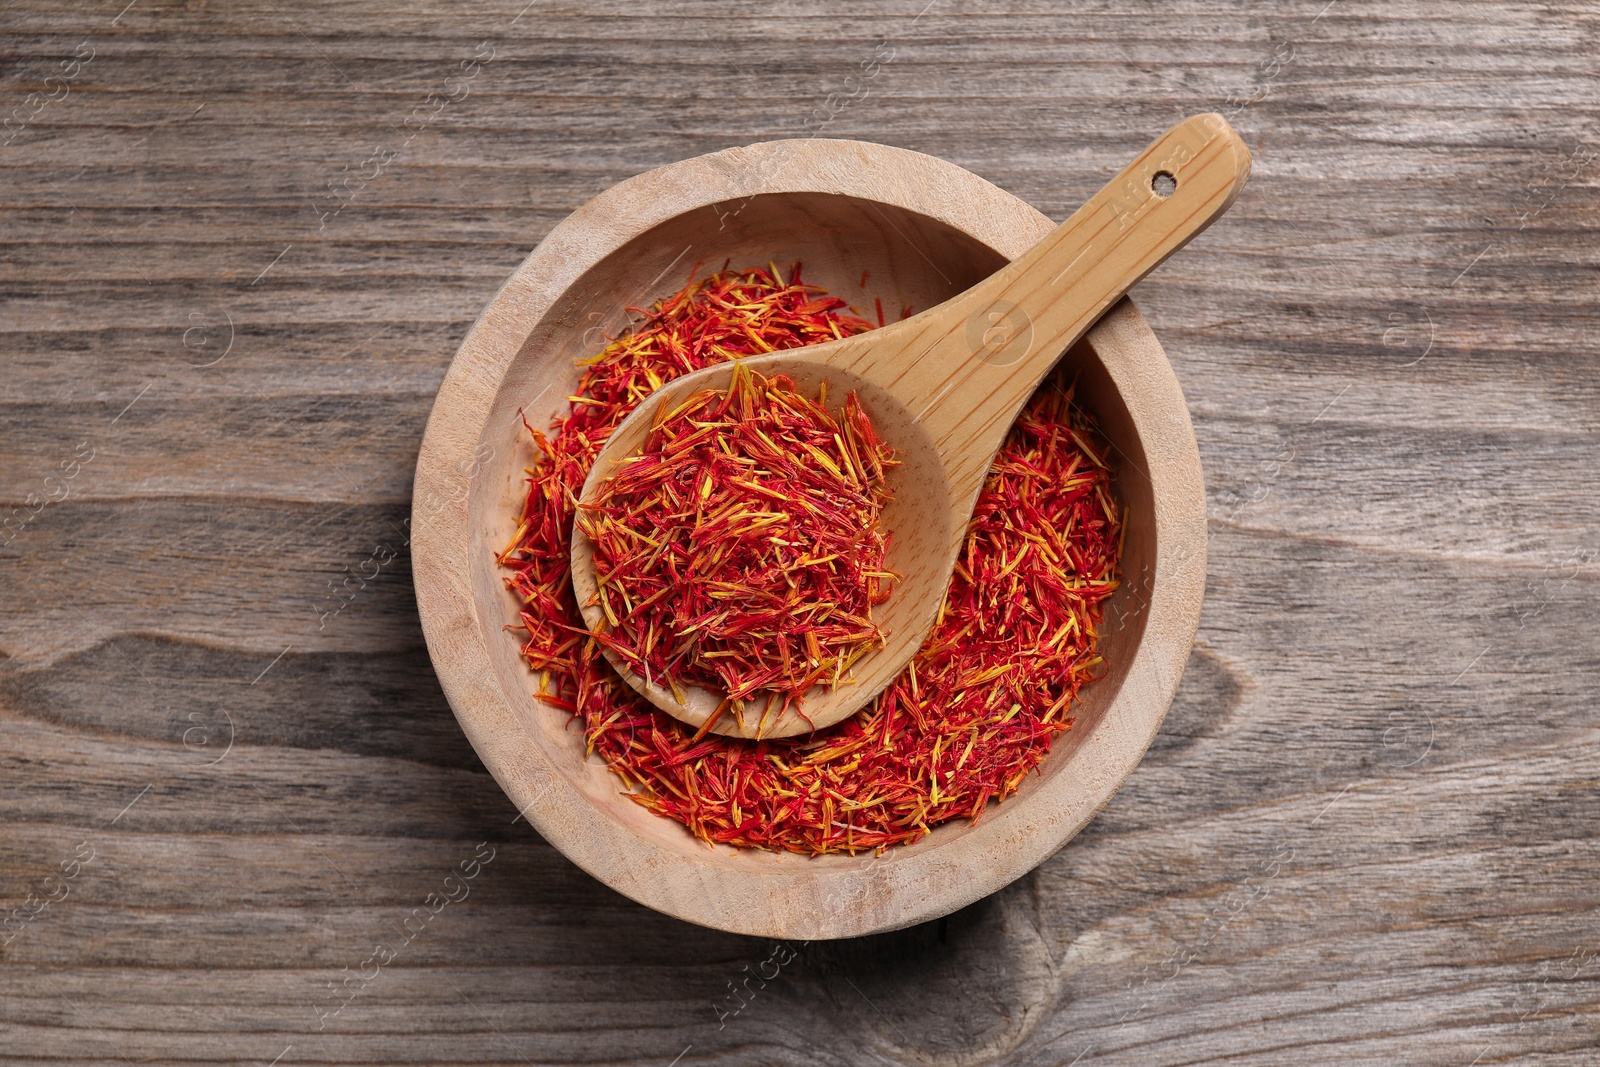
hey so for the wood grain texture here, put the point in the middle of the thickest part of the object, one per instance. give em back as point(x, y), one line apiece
point(1366, 833)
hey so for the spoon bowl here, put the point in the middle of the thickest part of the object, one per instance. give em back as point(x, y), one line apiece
point(943, 388)
point(924, 528)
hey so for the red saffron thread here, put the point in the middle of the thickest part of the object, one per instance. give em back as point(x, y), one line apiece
point(979, 707)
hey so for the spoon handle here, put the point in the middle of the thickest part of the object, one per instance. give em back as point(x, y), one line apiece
point(1006, 333)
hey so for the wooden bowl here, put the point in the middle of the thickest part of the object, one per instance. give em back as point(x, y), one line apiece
point(922, 229)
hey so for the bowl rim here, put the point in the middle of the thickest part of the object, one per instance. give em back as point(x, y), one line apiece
point(825, 900)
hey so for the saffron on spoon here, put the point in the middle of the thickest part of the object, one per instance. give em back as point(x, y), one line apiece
point(740, 551)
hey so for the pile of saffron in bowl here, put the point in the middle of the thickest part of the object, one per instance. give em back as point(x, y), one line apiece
point(980, 704)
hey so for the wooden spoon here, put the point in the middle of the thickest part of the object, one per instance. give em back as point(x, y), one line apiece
point(945, 386)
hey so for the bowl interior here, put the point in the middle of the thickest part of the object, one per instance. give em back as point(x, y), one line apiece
point(867, 252)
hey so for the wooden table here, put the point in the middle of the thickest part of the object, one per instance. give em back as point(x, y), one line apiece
point(241, 243)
